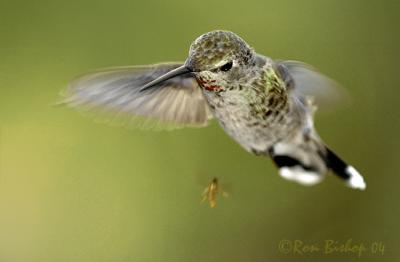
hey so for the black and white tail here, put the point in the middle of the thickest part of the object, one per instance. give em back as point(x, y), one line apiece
point(352, 177)
point(304, 158)
point(308, 165)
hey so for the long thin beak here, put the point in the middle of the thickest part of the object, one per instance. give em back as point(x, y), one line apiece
point(173, 73)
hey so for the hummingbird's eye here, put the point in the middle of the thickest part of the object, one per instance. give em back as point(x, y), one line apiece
point(226, 67)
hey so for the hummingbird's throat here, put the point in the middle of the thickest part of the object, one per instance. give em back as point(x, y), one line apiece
point(208, 85)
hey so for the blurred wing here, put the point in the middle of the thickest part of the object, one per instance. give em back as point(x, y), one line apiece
point(307, 82)
point(115, 95)
point(204, 180)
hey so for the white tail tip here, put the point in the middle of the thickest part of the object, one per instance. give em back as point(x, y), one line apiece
point(356, 180)
point(299, 175)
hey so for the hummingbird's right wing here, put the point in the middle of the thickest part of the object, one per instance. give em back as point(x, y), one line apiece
point(115, 94)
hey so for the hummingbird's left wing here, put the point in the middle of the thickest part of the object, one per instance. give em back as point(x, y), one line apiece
point(116, 94)
point(307, 82)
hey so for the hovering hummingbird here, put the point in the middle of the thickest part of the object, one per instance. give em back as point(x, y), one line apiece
point(265, 105)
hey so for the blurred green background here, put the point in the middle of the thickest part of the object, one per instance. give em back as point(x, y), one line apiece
point(75, 190)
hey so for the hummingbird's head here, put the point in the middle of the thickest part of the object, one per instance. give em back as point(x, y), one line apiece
point(220, 57)
point(217, 59)
point(216, 48)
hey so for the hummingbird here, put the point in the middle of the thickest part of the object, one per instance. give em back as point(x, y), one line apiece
point(267, 106)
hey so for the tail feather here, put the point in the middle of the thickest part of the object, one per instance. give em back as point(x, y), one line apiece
point(298, 164)
point(308, 166)
point(352, 177)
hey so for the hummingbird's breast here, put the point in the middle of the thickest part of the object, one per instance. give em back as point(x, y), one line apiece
point(255, 116)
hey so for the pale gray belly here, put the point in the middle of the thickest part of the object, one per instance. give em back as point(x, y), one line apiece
point(250, 133)
point(254, 132)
